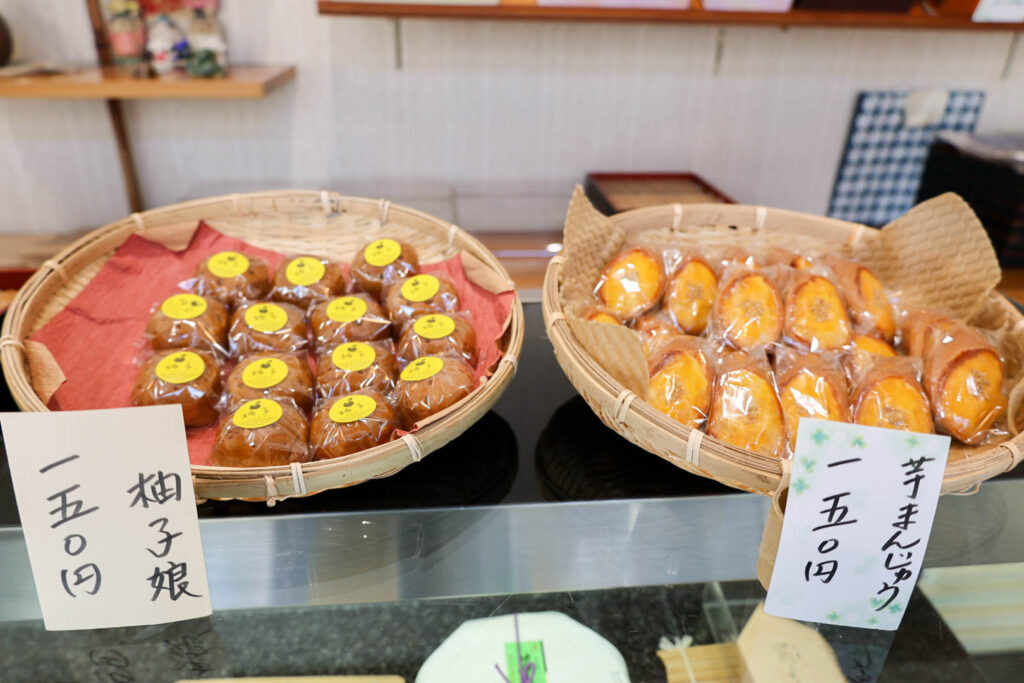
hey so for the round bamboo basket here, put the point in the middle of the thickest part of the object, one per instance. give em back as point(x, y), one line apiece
point(692, 450)
point(288, 221)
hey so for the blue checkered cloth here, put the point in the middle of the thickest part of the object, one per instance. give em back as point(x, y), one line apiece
point(881, 169)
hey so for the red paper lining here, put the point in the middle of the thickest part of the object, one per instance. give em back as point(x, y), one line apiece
point(95, 337)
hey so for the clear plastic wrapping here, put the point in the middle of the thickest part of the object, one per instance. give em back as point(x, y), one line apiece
point(267, 327)
point(859, 354)
point(815, 314)
point(681, 380)
point(745, 410)
point(189, 321)
point(631, 283)
point(963, 377)
point(352, 423)
point(809, 385)
point(353, 366)
point(303, 280)
point(262, 433)
point(189, 377)
point(738, 257)
point(430, 384)
point(411, 297)
point(869, 306)
point(356, 317)
point(777, 256)
point(655, 328)
point(437, 334)
point(748, 310)
point(920, 327)
point(382, 262)
point(599, 314)
point(232, 277)
point(888, 394)
point(690, 292)
point(271, 375)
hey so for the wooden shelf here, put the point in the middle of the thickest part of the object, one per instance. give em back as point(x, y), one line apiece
point(917, 18)
point(107, 83)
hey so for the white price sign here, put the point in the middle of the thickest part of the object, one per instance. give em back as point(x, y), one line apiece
point(858, 515)
point(109, 515)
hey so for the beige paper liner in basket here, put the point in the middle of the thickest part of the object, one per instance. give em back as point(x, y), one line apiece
point(936, 256)
point(290, 221)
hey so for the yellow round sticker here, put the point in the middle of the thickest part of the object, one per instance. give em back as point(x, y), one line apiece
point(353, 357)
point(183, 306)
point(346, 309)
point(433, 326)
point(352, 408)
point(422, 368)
point(263, 373)
point(420, 287)
point(382, 252)
point(304, 271)
point(266, 317)
point(227, 264)
point(256, 414)
point(180, 368)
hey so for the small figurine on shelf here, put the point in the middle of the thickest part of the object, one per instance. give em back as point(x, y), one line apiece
point(208, 55)
point(166, 44)
point(127, 35)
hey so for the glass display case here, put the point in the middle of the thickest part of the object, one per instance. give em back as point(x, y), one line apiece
point(538, 507)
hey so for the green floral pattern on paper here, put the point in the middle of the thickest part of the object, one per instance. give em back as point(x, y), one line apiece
point(799, 486)
point(820, 437)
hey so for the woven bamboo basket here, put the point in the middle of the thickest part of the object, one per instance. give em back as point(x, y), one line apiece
point(289, 221)
point(716, 225)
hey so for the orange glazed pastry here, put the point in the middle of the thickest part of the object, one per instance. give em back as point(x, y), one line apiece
point(681, 381)
point(815, 314)
point(920, 327)
point(869, 307)
point(596, 314)
point(748, 311)
point(690, 294)
point(861, 353)
point(631, 282)
point(655, 328)
point(809, 387)
point(890, 396)
point(964, 378)
point(873, 345)
point(745, 410)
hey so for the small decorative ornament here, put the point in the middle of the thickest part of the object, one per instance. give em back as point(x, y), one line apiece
point(164, 44)
point(208, 55)
point(127, 34)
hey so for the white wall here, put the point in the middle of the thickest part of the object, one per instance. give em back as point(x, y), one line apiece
point(477, 110)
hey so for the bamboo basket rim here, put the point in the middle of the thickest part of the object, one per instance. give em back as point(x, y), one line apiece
point(275, 482)
point(692, 449)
